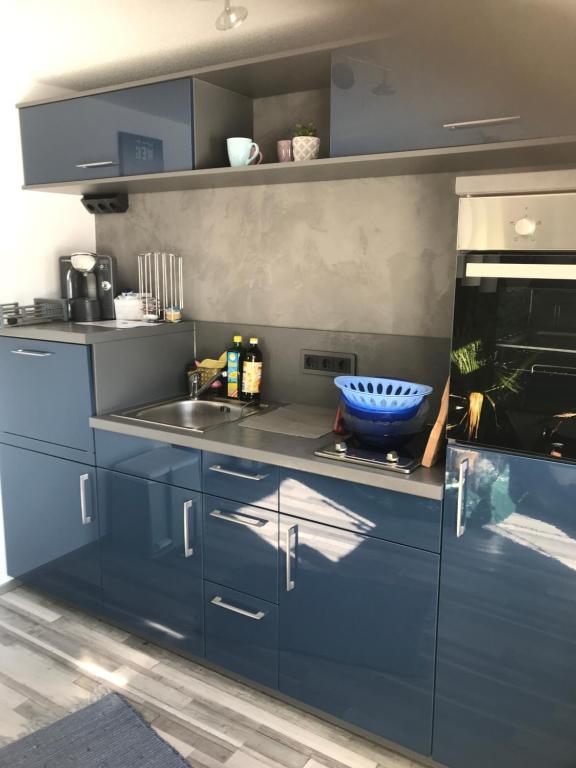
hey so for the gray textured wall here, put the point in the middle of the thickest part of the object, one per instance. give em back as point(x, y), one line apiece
point(367, 255)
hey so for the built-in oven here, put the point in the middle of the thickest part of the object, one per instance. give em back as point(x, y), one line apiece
point(513, 357)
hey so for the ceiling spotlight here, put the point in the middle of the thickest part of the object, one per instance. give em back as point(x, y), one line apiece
point(231, 16)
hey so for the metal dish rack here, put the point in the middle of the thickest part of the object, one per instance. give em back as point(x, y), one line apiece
point(41, 311)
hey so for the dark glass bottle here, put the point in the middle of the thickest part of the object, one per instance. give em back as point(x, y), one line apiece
point(251, 373)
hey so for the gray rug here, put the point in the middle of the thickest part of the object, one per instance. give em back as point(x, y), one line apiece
point(107, 734)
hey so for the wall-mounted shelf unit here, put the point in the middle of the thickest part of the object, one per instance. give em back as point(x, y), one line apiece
point(534, 153)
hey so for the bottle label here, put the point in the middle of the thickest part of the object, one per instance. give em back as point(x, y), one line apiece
point(251, 378)
point(233, 374)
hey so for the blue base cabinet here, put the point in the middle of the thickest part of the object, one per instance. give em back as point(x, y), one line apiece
point(151, 547)
point(506, 672)
point(358, 629)
point(51, 524)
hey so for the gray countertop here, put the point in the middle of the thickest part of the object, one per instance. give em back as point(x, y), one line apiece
point(80, 333)
point(282, 450)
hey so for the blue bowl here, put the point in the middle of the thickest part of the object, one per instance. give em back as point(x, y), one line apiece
point(384, 431)
point(379, 394)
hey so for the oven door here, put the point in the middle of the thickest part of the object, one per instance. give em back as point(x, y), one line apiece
point(513, 362)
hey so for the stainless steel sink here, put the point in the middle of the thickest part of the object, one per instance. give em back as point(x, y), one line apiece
point(194, 415)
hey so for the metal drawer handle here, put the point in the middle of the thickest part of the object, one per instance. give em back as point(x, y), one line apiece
point(290, 537)
point(460, 521)
point(233, 473)
point(86, 517)
point(220, 603)
point(235, 517)
point(31, 353)
point(100, 164)
point(479, 123)
point(188, 550)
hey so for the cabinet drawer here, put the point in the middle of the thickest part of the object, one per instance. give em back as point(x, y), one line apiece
point(146, 129)
point(242, 634)
point(150, 459)
point(46, 392)
point(241, 480)
point(397, 517)
point(241, 547)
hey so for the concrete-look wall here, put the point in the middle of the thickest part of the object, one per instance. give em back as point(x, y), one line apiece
point(367, 255)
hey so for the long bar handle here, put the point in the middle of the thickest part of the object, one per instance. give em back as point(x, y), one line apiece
point(31, 353)
point(99, 164)
point(460, 519)
point(290, 537)
point(220, 603)
point(234, 473)
point(480, 123)
point(235, 517)
point(86, 516)
point(188, 550)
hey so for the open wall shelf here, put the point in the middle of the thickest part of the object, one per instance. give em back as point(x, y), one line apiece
point(535, 153)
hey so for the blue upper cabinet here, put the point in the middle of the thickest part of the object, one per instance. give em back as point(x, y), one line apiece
point(506, 672)
point(151, 544)
point(51, 523)
point(358, 629)
point(146, 129)
point(406, 93)
point(46, 394)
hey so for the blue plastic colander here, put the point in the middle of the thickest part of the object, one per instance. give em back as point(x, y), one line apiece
point(377, 395)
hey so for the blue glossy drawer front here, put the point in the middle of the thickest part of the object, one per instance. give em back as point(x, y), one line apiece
point(363, 509)
point(241, 547)
point(241, 634)
point(150, 459)
point(241, 480)
point(46, 392)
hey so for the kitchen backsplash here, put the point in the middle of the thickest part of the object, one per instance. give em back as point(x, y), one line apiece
point(420, 359)
point(366, 255)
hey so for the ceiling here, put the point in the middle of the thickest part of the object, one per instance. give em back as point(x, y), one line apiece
point(78, 44)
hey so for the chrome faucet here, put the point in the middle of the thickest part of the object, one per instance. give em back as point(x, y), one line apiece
point(194, 383)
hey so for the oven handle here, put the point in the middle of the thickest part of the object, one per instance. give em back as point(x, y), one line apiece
point(553, 370)
point(521, 271)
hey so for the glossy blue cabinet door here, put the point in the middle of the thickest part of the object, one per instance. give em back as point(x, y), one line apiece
point(242, 634)
point(46, 392)
point(241, 547)
point(146, 129)
point(152, 559)
point(358, 629)
point(406, 93)
point(252, 482)
point(506, 673)
point(51, 523)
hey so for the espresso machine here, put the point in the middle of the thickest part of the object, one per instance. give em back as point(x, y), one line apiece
point(89, 283)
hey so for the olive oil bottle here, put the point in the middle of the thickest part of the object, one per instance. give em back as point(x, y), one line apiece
point(234, 358)
point(251, 380)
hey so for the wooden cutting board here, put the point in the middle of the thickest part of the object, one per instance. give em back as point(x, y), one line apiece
point(436, 439)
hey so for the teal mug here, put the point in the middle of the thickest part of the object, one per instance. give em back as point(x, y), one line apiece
point(243, 152)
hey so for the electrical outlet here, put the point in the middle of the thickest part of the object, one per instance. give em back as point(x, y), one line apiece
point(328, 363)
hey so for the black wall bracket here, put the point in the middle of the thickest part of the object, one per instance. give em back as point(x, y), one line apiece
point(116, 203)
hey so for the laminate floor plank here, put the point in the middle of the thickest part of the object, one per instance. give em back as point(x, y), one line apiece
point(55, 659)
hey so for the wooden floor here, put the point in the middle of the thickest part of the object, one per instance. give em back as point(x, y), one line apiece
point(54, 660)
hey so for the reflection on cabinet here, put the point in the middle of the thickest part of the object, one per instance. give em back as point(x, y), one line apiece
point(151, 542)
point(51, 523)
point(405, 93)
point(171, 126)
point(506, 671)
point(358, 629)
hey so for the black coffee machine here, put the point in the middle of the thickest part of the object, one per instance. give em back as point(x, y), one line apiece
point(89, 284)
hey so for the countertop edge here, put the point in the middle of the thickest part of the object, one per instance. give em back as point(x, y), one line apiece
point(424, 483)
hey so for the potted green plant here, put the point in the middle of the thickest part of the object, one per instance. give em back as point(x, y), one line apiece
point(305, 142)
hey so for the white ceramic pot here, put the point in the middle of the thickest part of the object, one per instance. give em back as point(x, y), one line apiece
point(305, 147)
